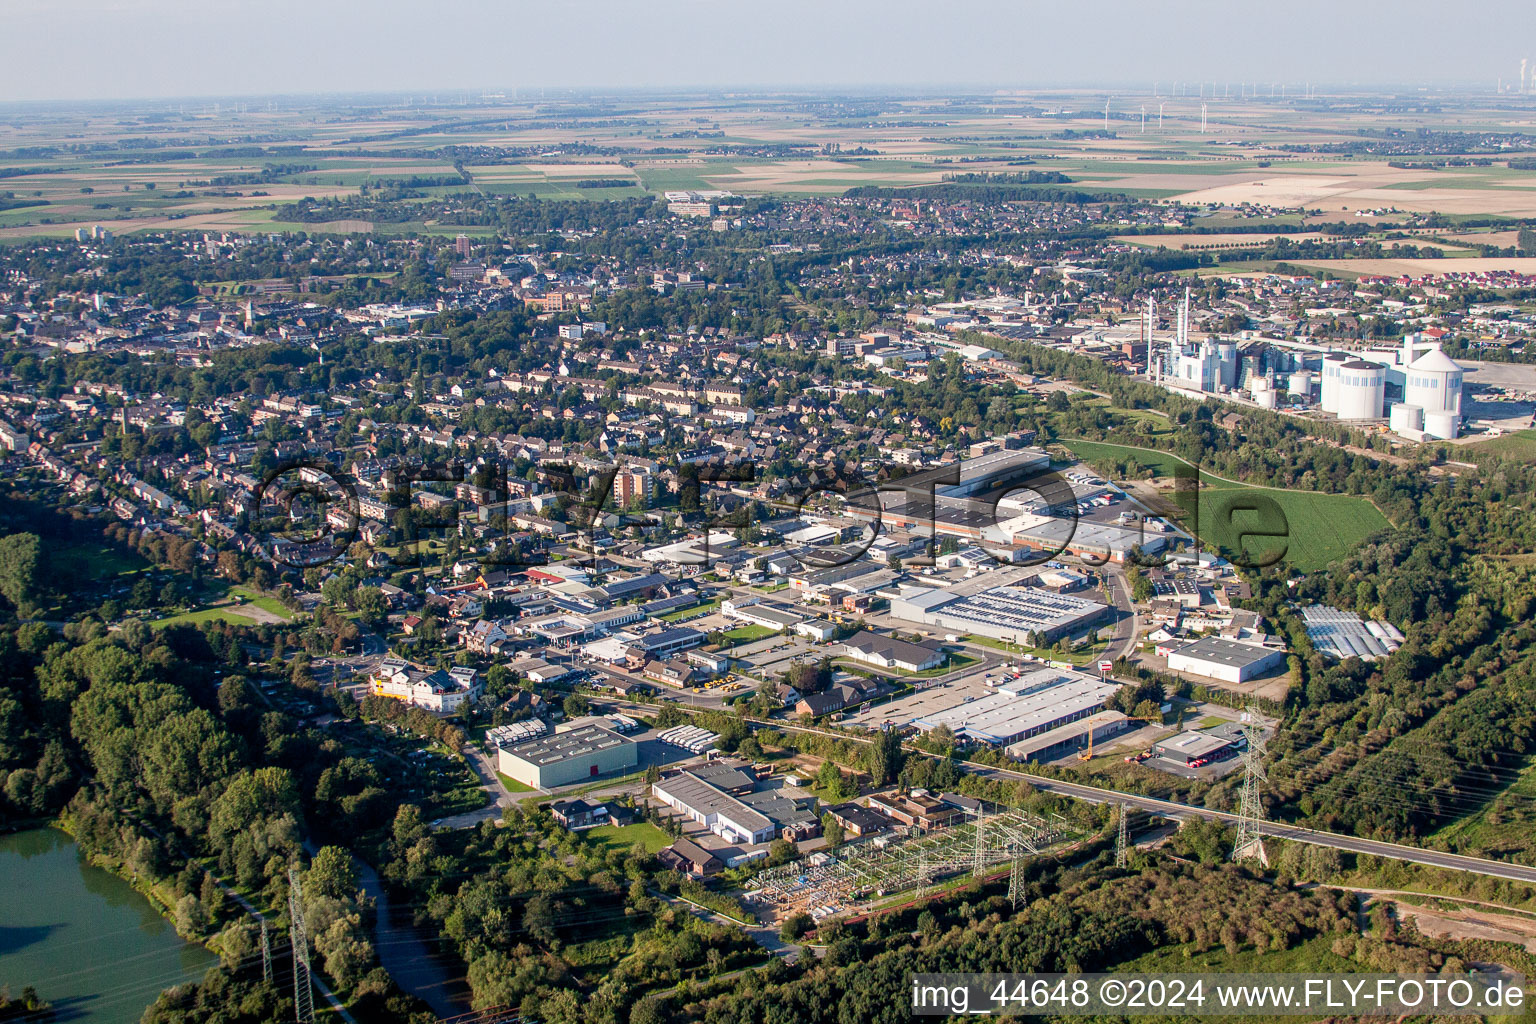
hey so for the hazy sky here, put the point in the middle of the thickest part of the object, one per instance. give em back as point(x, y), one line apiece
point(86, 49)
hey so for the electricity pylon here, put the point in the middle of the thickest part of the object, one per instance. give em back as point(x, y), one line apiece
point(266, 953)
point(1250, 812)
point(303, 993)
point(1122, 856)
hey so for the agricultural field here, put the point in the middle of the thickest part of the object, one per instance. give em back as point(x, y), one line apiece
point(197, 167)
point(1320, 527)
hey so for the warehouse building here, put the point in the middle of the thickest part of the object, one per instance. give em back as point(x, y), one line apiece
point(582, 753)
point(1195, 748)
point(665, 643)
point(1048, 746)
point(735, 814)
point(888, 652)
point(757, 613)
point(1035, 703)
point(1227, 660)
point(1002, 613)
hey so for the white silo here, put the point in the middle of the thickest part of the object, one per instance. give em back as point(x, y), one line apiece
point(1328, 399)
point(1434, 383)
point(1406, 417)
point(1266, 397)
point(1445, 425)
point(1299, 384)
point(1361, 389)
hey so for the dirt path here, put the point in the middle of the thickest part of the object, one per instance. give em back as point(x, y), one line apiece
point(1474, 922)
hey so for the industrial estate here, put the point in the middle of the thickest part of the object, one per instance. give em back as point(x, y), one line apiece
point(689, 556)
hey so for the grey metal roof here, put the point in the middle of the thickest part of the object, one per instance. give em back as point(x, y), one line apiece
point(561, 746)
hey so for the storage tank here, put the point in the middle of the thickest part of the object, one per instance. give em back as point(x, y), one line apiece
point(1266, 398)
point(1361, 390)
point(1406, 417)
point(1329, 389)
point(1300, 384)
point(1434, 383)
point(1445, 425)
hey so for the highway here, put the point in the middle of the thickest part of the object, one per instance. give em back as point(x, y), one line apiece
point(1171, 809)
point(1349, 844)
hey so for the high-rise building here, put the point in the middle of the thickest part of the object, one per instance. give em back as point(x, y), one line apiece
point(461, 246)
point(629, 485)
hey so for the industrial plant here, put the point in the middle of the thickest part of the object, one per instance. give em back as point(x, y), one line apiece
point(1416, 389)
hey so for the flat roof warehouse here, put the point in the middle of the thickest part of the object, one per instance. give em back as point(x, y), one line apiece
point(1008, 522)
point(1036, 702)
point(547, 750)
point(1002, 612)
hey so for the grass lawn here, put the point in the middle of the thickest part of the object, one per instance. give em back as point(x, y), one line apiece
point(1519, 445)
point(1321, 527)
point(953, 663)
point(748, 633)
point(228, 615)
point(95, 561)
point(271, 605)
point(691, 613)
point(622, 837)
point(1044, 654)
point(513, 786)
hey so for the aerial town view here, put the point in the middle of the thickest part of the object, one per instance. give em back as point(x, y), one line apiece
point(767, 514)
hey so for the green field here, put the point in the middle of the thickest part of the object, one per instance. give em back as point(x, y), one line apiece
point(622, 837)
point(94, 561)
point(227, 614)
point(230, 613)
point(1519, 445)
point(1318, 528)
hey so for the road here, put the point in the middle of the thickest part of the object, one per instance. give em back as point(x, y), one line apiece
point(1127, 622)
point(500, 797)
point(1171, 809)
point(1349, 844)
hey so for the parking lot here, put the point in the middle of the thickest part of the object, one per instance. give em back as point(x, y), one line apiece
point(774, 654)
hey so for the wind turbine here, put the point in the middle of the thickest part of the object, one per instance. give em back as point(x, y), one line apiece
point(1143, 119)
point(1160, 107)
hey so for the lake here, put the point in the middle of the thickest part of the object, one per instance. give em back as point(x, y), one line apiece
point(84, 938)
